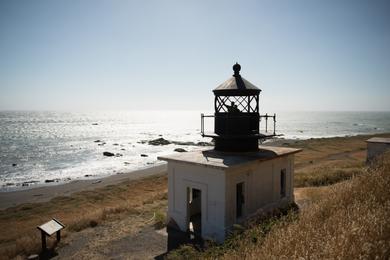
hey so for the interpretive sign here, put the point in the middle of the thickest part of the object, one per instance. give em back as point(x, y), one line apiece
point(51, 227)
point(48, 229)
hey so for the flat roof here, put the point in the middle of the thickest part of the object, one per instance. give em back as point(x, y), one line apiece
point(223, 160)
point(383, 140)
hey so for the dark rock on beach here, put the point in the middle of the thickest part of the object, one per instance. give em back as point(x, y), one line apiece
point(28, 183)
point(14, 164)
point(162, 141)
point(183, 143)
point(159, 141)
point(118, 155)
point(108, 154)
point(95, 124)
point(180, 150)
point(97, 141)
point(52, 180)
point(144, 155)
point(204, 144)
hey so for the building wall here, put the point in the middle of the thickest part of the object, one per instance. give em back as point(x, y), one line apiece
point(211, 182)
point(376, 149)
point(262, 187)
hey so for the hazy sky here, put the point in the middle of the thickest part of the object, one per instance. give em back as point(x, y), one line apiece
point(85, 55)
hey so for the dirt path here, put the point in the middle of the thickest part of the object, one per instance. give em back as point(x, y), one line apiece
point(132, 237)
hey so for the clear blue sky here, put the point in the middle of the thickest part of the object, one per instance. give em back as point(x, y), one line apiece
point(91, 54)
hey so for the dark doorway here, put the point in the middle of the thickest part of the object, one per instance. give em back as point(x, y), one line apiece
point(240, 199)
point(283, 183)
point(193, 234)
point(195, 212)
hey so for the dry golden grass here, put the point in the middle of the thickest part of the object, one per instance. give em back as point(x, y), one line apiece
point(326, 174)
point(19, 235)
point(348, 220)
point(325, 161)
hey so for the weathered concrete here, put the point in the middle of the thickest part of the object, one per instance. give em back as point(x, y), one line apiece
point(224, 160)
point(217, 174)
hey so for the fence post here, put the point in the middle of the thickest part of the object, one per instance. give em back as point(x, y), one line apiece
point(201, 124)
point(43, 238)
point(266, 122)
point(274, 123)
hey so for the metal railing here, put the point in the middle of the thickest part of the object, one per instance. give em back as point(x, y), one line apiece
point(202, 116)
point(266, 116)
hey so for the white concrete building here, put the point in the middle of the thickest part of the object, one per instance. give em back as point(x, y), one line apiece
point(228, 187)
point(377, 146)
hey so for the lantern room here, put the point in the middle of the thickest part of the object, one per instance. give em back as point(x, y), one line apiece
point(236, 116)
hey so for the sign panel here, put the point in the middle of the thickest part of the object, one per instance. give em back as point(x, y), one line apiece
point(51, 227)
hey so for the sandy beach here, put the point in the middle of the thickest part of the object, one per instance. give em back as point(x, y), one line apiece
point(46, 193)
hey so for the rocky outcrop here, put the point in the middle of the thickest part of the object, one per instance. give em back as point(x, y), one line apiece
point(159, 141)
point(162, 141)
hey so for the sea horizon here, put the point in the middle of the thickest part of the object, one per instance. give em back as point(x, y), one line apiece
point(52, 147)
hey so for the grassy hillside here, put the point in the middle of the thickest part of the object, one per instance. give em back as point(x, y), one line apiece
point(134, 205)
point(348, 220)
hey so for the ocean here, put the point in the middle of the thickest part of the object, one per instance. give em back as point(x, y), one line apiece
point(48, 148)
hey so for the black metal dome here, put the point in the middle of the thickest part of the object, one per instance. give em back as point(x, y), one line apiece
point(236, 85)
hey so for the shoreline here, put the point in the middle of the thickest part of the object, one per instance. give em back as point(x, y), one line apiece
point(46, 193)
point(16, 186)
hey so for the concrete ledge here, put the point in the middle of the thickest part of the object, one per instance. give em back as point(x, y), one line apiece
point(223, 160)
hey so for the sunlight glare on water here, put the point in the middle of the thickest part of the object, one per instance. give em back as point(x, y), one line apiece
point(60, 146)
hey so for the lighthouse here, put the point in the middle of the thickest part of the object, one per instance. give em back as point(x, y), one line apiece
point(210, 190)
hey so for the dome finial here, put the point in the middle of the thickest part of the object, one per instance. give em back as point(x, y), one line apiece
point(236, 69)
